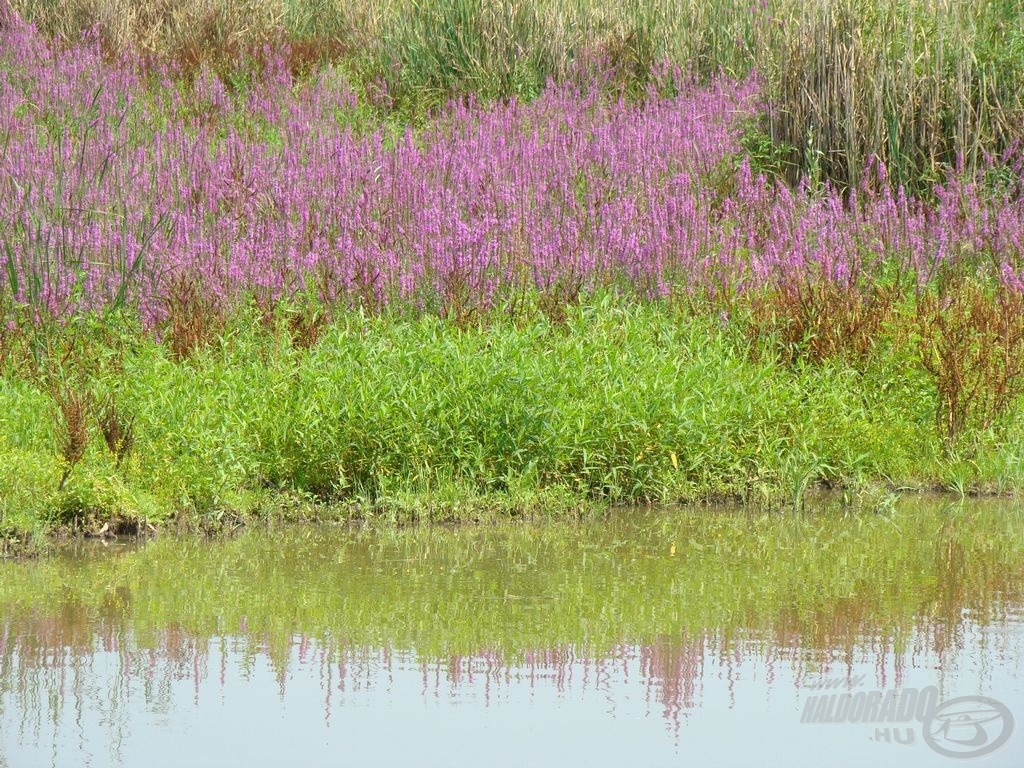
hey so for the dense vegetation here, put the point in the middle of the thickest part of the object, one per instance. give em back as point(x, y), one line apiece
point(915, 83)
point(417, 418)
point(458, 258)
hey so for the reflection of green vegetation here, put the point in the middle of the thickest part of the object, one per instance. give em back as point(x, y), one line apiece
point(811, 581)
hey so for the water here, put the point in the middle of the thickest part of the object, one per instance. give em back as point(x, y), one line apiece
point(649, 638)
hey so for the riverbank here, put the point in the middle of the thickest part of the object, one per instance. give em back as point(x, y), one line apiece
point(227, 298)
point(419, 417)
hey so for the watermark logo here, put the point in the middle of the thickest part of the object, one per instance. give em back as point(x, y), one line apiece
point(964, 727)
point(968, 726)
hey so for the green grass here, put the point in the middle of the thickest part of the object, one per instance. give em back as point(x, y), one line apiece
point(413, 417)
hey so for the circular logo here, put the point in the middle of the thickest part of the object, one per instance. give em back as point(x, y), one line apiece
point(968, 726)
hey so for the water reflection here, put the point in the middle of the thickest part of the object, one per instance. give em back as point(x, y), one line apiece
point(654, 638)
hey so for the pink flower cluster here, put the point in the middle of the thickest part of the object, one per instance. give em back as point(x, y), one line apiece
point(115, 180)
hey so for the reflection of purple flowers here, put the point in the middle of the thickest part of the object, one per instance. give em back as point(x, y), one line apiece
point(115, 180)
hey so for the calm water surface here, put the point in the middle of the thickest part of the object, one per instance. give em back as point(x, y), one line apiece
point(675, 638)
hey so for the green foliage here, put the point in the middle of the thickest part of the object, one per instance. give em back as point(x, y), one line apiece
point(767, 157)
point(618, 401)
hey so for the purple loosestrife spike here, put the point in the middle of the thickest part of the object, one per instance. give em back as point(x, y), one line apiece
point(119, 189)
